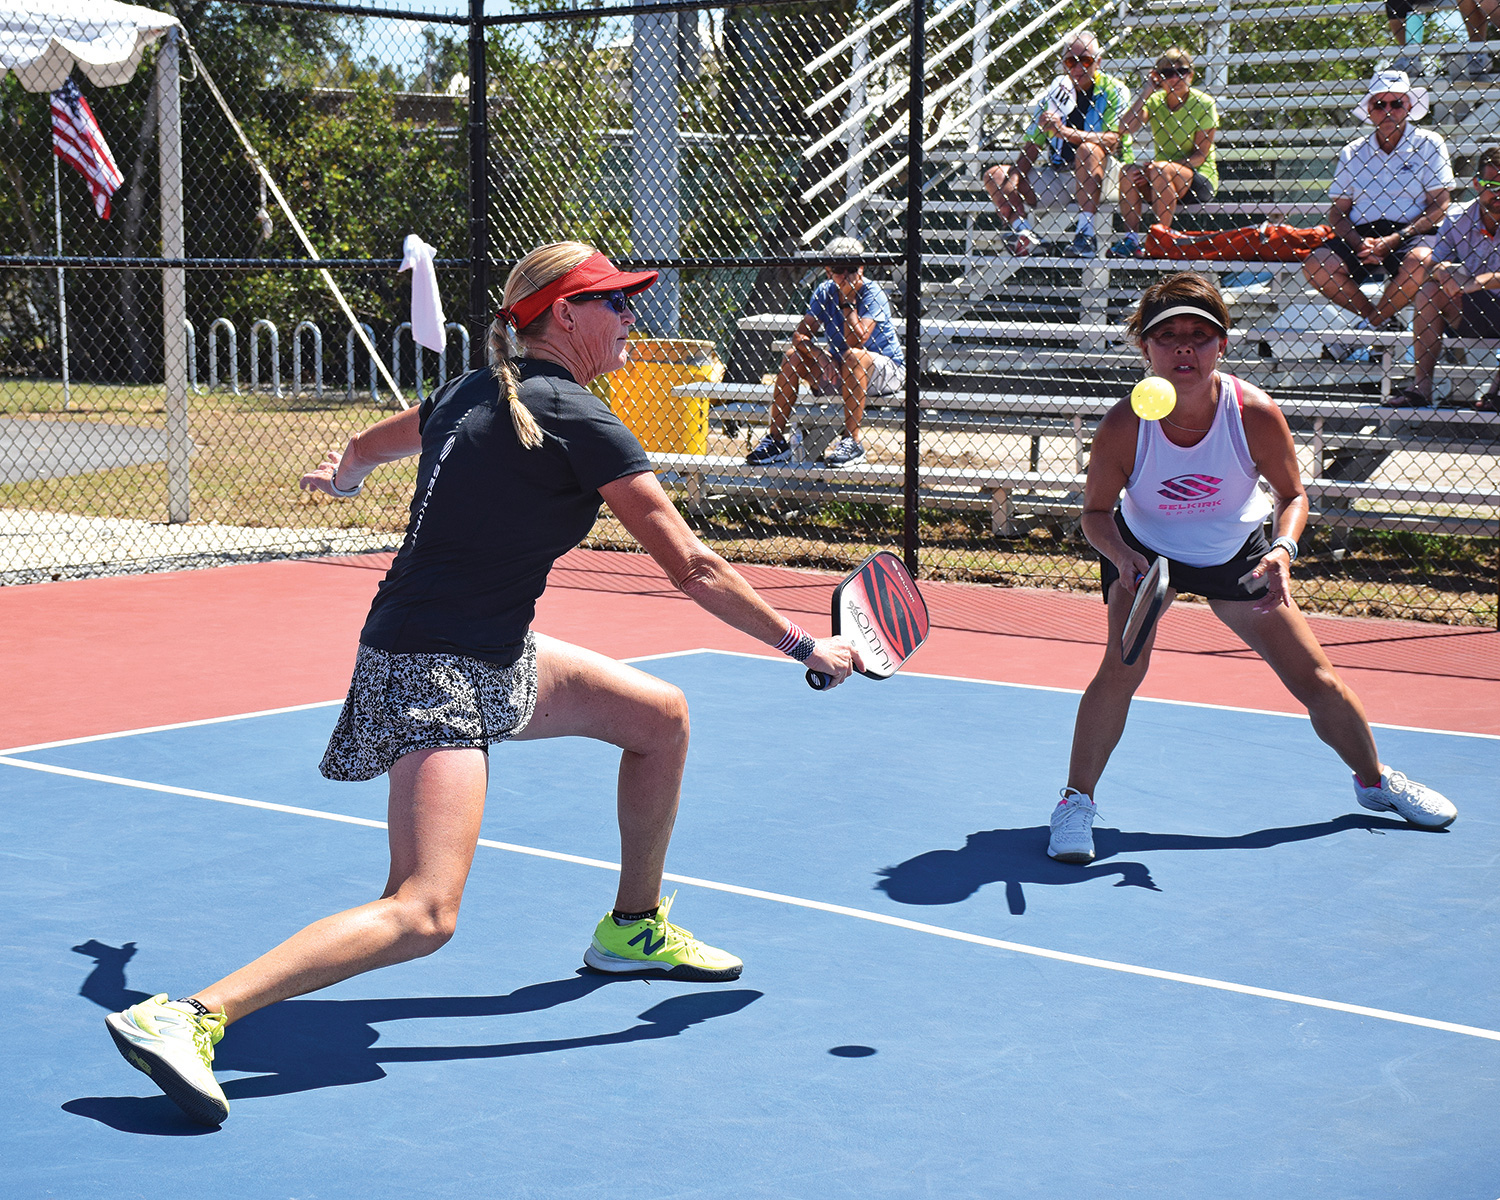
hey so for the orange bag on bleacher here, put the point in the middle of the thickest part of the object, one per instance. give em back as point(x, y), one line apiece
point(1255, 243)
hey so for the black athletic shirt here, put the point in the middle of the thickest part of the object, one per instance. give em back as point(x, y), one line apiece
point(489, 517)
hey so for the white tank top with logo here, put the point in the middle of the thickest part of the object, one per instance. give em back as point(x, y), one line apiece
point(1197, 504)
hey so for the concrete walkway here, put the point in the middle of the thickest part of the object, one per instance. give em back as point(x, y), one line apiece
point(50, 449)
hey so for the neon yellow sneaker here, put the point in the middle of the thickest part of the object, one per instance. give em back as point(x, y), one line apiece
point(174, 1044)
point(655, 947)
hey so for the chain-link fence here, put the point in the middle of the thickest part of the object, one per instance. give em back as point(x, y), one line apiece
point(1011, 200)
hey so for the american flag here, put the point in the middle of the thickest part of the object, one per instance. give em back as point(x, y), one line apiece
point(79, 142)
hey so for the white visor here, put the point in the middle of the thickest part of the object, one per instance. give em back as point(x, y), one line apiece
point(1191, 310)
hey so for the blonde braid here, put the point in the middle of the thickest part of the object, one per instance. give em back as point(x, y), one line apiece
point(531, 274)
point(528, 432)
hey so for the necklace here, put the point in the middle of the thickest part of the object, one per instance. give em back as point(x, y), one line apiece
point(1185, 428)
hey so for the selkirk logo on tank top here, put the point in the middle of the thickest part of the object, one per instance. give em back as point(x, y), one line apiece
point(1190, 491)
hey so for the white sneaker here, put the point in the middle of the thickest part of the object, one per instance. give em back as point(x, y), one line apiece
point(1407, 798)
point(174, 1044)
point(1073, 828)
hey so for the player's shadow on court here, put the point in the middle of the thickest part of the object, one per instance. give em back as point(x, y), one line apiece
point(1019, 856)
point(300, 1045)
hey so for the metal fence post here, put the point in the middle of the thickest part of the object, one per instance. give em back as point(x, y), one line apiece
point(910, 537)
point(174, 281)
point(655, 164)
point(479, 189)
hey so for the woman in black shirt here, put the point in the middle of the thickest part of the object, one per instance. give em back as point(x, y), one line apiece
point(515, 463)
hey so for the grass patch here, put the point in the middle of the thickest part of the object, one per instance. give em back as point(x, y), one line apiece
point(245, 471)
point(251, 450)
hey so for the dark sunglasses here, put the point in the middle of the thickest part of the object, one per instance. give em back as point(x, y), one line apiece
point(1382, 105)
point(845, 268)
point(1197, 338)
point(617, 300)
point(1073, 60)
point(1173, 72)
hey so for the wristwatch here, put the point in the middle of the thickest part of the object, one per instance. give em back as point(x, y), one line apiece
point(1287, 544)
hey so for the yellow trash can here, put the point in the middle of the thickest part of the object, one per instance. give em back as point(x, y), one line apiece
point(640, 393)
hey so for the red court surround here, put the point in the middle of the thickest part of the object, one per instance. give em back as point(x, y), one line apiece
point(103, 655)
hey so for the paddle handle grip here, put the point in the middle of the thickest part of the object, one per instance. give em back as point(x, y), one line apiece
point(817, 680)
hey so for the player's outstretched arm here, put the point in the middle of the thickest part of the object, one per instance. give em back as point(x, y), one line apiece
point(342, 475)
point(706, 579)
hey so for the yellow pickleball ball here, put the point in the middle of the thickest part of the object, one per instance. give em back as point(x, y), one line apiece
point(1153, 398)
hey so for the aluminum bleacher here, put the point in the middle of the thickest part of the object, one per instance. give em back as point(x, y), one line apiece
point(1011, 343)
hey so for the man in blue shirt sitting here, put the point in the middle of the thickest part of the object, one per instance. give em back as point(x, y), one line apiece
point(863, 357)
point(1461, 291)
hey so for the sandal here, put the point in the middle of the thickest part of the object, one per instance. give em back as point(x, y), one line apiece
point(1407, 397)
point(1489, 402)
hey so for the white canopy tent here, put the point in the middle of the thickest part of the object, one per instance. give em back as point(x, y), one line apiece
point(42, 41)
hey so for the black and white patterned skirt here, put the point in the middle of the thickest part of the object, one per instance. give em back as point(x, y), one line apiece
point(398, 703)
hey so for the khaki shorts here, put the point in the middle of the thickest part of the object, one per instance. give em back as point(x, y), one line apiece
point(887, 377)
point(1057, 187)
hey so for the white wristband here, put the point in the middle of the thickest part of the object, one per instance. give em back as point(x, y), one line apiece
point(356, 489)
point(1287, 544)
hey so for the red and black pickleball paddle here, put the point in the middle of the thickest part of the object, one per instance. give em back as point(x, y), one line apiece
point(879, 609)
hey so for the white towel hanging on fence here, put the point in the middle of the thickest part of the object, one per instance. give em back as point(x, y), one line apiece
point(426, 304)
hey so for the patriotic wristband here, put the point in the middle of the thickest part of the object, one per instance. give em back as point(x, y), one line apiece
point(796, 644)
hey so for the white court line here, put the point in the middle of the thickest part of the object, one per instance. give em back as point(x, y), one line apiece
point(797, 901)
point(1032, 687)
point(1042, 687)
point(264, 712)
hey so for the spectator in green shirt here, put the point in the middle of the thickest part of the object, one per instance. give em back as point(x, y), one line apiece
point(1183, 168)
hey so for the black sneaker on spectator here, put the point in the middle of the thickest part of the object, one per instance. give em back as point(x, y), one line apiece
point(770, 449)
point(844, 452)
point(1408, 397)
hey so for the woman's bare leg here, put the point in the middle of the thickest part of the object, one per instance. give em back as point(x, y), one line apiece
point(1281, 637)
point(436, 804)
point(1106, 701)
point(584, 694)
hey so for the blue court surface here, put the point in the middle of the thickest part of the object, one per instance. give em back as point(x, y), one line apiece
point(1257, 990)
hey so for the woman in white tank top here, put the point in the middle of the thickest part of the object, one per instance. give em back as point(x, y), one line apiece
point(1193, 487)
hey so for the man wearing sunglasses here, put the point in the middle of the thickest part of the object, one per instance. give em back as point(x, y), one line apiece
point(863, 357)
point(1077, 120)
point(1390, 191)
point(1461, 292)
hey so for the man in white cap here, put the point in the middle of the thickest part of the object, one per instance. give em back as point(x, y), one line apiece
point(1390, 192)
point(1077, 122)
point(863, 358)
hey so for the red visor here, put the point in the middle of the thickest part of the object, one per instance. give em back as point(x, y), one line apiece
point(593, 274)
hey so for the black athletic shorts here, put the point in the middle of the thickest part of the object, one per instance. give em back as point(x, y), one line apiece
point(1481, 316)
point(1200, 191)
point(1360, 271)
point(1212, 583)
point(1398, 10)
